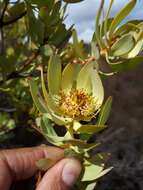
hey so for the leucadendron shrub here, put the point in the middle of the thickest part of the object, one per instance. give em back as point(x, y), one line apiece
point(70, 93)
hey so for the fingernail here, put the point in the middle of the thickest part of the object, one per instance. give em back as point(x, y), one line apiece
point(71, 172)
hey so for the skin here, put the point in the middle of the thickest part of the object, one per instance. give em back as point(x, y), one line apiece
point(19, 164)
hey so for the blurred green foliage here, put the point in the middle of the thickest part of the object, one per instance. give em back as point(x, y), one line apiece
point(30, 30)
point(6, 125)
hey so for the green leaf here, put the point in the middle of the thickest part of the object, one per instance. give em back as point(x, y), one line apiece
point(57, 116)
point(95, 50)
point(104, 172)
point(35, 26)
point(46, 14)
point(125, 29)
point(53, 105)
point(123, 46)
point(81, 144)
point(103, 34)
point(85, 137)
point(91, 172)
point(91, 186)
point(127, 64)
point(61, 120)
point(84, 78)
point(108, 20)
point(41, 3)
point(97, 88)
point(99, 159)
point(44, 90)
point(49, 134)
point(56, 9)
point(45, 163)
point(136, 50)
point(77, 45)
point(46, 51)
point(61, 36)
point(54, 75)
point(105, 111)
point(97, 29)
point(69, 76)
point(90, 129)
point(47, 128)
point(121, 15)
point(40, 104)
point(14, 12)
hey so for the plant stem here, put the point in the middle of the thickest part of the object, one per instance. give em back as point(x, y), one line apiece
point(1, 27)
point(1, 41)
point(14, 20)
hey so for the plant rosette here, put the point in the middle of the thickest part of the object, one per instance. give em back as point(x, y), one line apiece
point(118, 41)
point(73, 95)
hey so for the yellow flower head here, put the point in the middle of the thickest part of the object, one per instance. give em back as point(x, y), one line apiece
point(74, 94)
point(77, 104)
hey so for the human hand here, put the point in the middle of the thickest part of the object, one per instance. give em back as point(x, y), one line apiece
point(19, 164)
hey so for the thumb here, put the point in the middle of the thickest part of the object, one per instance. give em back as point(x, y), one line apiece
point(62, 176)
